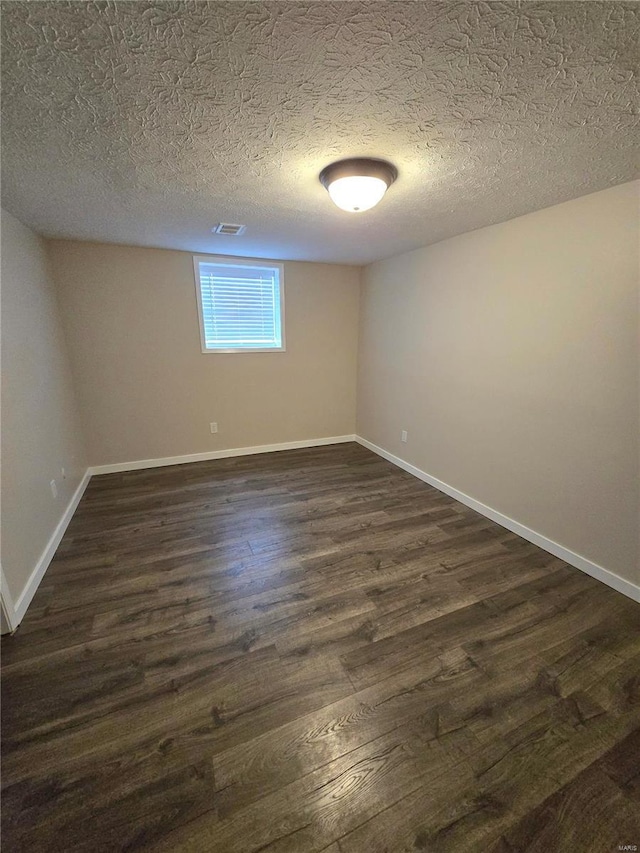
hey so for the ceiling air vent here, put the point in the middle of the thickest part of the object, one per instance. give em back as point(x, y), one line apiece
point(228, 229)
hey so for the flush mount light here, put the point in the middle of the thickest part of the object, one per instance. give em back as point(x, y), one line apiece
point(358, 184)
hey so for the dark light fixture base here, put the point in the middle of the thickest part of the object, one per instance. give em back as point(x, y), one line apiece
point(354, 166)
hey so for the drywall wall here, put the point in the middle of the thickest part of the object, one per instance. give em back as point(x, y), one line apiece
point(147, 391)
point(41, 432)
point(510, 356)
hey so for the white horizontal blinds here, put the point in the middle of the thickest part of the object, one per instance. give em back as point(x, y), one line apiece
point(240, 306)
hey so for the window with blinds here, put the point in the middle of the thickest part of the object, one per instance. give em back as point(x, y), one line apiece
point(240, 304)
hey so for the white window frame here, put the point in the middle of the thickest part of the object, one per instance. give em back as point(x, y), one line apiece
point(221, 260)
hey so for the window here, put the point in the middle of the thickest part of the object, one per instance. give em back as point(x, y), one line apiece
point(240, 304)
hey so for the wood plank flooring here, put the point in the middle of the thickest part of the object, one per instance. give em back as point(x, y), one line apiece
point(314, 651)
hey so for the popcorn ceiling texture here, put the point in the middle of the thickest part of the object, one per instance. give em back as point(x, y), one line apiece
point(149, 122)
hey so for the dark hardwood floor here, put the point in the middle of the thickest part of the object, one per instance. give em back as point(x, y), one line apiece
point(309, 651)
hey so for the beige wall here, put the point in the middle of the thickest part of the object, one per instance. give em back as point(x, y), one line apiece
point(40, 426)
point(147, 391)
point(510, 355)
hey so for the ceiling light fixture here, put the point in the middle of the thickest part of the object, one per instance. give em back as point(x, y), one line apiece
point(359, 183)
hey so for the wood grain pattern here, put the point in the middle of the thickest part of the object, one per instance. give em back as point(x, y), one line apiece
point(314, 651)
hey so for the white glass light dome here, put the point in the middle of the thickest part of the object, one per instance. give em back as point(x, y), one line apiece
point(357, 193)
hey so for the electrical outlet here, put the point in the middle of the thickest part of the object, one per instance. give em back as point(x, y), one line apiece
point(213, 426)
point(54, 488)
point(403, 436)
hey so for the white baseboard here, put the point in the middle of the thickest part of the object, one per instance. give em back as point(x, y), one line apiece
point(599, 572)
point(25, 597)
point(8, 617)
point(137, 465)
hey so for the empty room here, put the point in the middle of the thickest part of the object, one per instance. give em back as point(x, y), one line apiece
point(320, 427)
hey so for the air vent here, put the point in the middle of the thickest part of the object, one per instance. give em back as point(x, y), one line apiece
point(228, 229)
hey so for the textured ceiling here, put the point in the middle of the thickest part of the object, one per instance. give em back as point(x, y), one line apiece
point(149, 122)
